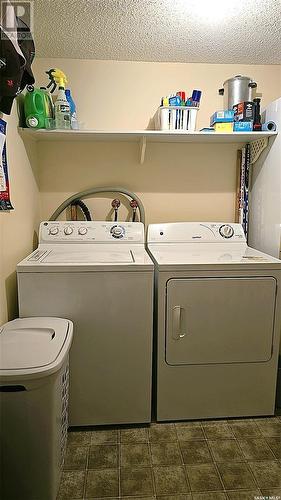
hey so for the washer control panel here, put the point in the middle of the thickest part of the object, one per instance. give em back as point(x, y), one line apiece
point(87, 232)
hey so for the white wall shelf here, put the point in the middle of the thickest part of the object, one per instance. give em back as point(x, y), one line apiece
point(143, 137)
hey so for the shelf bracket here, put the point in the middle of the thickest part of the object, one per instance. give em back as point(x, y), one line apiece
point(142, 149)
point(257, 147)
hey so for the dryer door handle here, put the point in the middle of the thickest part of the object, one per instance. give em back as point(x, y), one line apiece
point(177, 321)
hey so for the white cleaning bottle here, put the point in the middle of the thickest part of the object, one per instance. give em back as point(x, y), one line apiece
point(62, 110)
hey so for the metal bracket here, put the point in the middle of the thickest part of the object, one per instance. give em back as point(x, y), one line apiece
point(257, 147)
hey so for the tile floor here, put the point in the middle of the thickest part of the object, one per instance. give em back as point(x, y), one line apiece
point(200, 460)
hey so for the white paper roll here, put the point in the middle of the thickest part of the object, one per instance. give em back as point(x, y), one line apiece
point(269, 126)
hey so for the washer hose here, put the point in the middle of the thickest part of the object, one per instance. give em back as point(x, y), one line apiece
point(88, 192)
point(83, 207)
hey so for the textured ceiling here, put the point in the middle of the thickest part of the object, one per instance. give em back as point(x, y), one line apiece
point(208, 31)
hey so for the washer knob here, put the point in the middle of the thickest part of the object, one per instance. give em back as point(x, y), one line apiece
point(226, 231)
point(54, 230)
point(68, 230)
point(82, 230)
point(117, 231)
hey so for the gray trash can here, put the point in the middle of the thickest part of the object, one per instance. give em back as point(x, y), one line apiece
point(33, 406)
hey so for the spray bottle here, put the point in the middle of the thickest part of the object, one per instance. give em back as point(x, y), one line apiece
point(62, 108)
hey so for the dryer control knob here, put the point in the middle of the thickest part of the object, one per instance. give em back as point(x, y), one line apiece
point(117, 231)
point(226, 231)
point(53, 230)
point(68, 230)
point(82, 230)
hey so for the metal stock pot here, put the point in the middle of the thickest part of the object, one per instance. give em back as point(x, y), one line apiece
point(237, 89)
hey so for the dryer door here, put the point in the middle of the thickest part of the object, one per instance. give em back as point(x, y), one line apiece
point(219, 320)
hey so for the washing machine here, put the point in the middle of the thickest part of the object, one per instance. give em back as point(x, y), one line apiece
point(99, 275)
point(217, 319)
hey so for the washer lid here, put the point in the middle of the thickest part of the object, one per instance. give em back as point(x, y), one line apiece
point(30, 343)
point(95, 256)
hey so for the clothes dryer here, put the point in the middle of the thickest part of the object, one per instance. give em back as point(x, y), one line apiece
point(218, 322)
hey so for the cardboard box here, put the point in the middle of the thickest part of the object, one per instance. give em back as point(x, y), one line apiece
point(244, 111)
point(222, 117)
point(243, 126)
point(226, 127)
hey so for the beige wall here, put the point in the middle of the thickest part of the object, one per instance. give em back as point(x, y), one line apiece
point(177, 181)
point(17, 227)
point(125, 95)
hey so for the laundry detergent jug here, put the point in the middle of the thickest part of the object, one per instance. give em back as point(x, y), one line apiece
point(38, 108)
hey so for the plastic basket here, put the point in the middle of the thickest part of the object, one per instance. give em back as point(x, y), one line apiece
point(176, 118)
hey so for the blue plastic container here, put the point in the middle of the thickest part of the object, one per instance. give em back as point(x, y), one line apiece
point(72, 105)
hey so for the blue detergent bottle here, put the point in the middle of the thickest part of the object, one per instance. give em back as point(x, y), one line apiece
point(73, 115)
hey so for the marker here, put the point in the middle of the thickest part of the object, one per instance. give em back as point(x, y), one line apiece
point(196, 97)
point(175, 100)
point(165, 114)
point(181, 94)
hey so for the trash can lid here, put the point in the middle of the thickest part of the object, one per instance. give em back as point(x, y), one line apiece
point(33, 344)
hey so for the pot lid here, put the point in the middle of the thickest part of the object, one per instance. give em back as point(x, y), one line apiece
point(239, 77)
point(30, 343)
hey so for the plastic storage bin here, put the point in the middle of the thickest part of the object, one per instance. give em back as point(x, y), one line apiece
point(176, 118)
point(34, 402)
